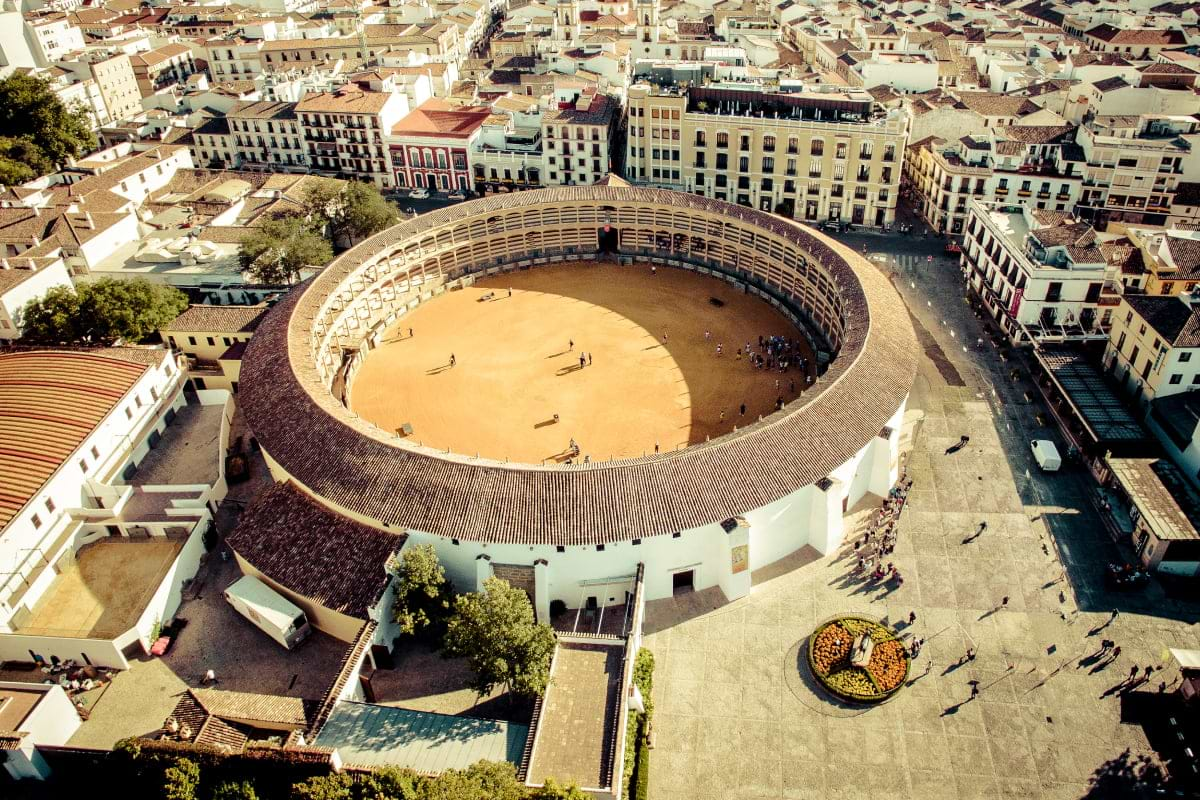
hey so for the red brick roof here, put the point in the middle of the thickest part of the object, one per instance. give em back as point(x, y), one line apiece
point(358, 467)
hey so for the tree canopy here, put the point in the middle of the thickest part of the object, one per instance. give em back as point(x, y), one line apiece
point(353, 210)
point(102, 312)
point(40, 131)
point(423, 594)
point(495, 630)
point(276, 251)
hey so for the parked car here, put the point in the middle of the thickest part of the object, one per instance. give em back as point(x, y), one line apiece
point(457, 194)
point(419, 193)
point(1046, 455)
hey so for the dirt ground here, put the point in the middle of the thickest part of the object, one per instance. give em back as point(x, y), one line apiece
point(517, 364)
point(105, 591)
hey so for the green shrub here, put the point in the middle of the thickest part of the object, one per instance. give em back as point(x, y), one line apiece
point(233, 790)
point(641, 784)
point(324, 787)
point(181, 780)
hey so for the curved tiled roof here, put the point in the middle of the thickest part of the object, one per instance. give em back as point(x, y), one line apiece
point(356, 467)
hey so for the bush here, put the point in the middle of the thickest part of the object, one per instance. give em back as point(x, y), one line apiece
point(324, 787)
point(181, 780)
point(641, 784)
point(636, 748)
point(231, 790)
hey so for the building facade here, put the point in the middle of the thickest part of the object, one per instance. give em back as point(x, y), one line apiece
point(809, 156)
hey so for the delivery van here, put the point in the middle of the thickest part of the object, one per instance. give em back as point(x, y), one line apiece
point(274, 614)
point(1046, 455)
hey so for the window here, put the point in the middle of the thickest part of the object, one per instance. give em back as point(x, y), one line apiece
point(817, 148)
point(722, 140)
point(744, 142)
point(768, 164)
point(36, 520)
point(793, 146)
point(840, 152)
point(768, 145)
point(743, 164)
point(50, 505)
point(1185, 357)
point(722, 161)
point(128, 413)
point(1176, 379)
point(95, 452)
point(864, 150)
point(82, 465)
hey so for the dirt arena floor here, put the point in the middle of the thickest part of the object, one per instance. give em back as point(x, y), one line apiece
point(517, 364)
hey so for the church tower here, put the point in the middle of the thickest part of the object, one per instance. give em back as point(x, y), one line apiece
point(647, 21)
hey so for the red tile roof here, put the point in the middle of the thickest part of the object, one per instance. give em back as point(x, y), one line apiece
point(436, 117)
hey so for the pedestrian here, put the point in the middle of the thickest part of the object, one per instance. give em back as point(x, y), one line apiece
point(410, 333)
point(1149, 671)
point(722, 416)
point(1133, 672)
point(664, 338)
point(742, 410)
point(209, 677)
point(912, 617)
point(974, 689)
point(582, 361)
point(708, 336)
point(1116, 653)
point(656, 448)
point(1115, 614)
point(720, 347)
point(970, 654)
point(1004, 601)
point(510, 292)
point(453, 360)
point(653, 270)
point(589, 355)
point(983, 526)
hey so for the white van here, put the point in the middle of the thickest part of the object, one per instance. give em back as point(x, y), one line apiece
point(1046, 455)
point(274, 614)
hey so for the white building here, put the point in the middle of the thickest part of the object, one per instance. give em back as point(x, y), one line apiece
point(23, 280)
point(1154, 345)
point(1041, 274)
point(98, 511)
point(33, 714)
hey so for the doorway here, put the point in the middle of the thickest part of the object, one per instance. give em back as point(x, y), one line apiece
point(682, 582)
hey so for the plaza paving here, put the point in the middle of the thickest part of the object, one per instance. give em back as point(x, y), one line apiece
point(733, 717)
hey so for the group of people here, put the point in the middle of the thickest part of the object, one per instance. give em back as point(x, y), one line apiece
point(880, 540)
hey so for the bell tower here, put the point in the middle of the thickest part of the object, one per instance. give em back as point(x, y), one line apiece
point(647, 21)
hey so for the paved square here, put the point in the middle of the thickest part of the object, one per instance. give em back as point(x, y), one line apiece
point(734, 719)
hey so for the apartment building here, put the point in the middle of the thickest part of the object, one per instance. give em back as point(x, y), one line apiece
point(267, 135)
point(344, 131)
point(213, 338)
point(113, 74)
point(1041, 274)
point(577, 137)
point(812, 155)
point(1134, 165)
point(431, 146)
point(1153, 349)
point(234, 58)
point(163, 67)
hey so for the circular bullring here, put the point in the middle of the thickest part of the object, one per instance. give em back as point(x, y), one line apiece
point(306, 356)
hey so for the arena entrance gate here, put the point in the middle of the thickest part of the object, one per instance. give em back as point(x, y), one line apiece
point(609, 239)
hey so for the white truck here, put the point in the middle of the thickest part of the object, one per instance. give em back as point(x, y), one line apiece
point(1046, 455)
point(274, 614)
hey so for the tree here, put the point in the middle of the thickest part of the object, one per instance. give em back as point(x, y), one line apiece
point(504, 645)
point(233, 790)
point(275, 252)
point(51, 132)
point(552, 790)
point(102, 312)
point(181, 780)
point(22, 160)
point(353, 210)
point(423, 594)
point(483, 780)
point(324, 787)
point(391, 783)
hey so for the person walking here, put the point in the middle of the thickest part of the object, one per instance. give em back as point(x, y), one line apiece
point(912, 617)
point(570, 345)
point(410, 333)
point(656, 448)
point(582, 361)
point(722, 416)
point(589, 355)
point(453, 360)
point(708, 336)
point(742, 410)
point(1004, 601)
point(1116, 653)
point(974, 689)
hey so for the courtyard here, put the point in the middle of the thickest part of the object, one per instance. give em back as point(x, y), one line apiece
point(104, 591)
point(734, 717)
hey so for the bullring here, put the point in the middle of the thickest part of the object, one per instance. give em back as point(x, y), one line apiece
point(704, 515)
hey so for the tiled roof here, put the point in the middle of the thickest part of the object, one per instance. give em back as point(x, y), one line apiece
point(1037, 134)
point(1134, 36)
point(1185, 252)
point(303, 545)
point(1111, 84)
point(1171, 318)
point(50, 402)
point(251, 708)
point(992, 104)
point(217, 319)
point(345, 101)
point(367, 472)
point(436, 117)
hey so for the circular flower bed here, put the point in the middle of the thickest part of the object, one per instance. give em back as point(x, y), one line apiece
point(829, 658)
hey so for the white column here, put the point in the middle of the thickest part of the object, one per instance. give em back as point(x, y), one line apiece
point(541, 590)
point(483, 570)
point(826, 526)
point(734, 570)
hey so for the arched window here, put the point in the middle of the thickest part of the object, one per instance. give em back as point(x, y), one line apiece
point(414, 157)
point(428, 157)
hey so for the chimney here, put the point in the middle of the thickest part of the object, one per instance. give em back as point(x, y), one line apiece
point(87, 220)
